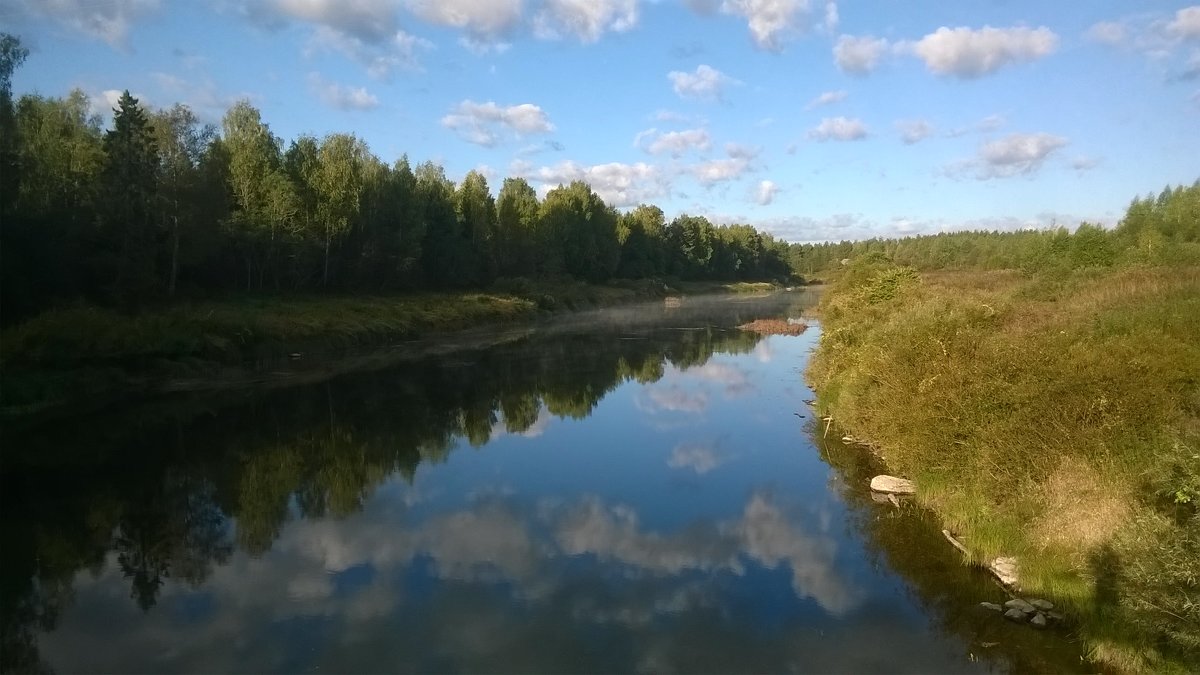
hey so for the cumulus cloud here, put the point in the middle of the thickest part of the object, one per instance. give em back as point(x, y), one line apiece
point(720, 170)
point(1160, 37)
point(742, 151)
point(706, 83)
point(1014, 155)
point(827, 98)
point(675, 143)
point(202, 95)
point(839, 129)
point(1186, 24)
point(697, 457)
point(340, 96)
point(586, 20)
point(103, 103)
point(1112, 33)
point(365, 31)
point(381, 59)
point(484, 21)
point(765, 192)
point(859, 55)
point(109, 21)
point(617, 184)
point(484, 123)
point(969, 53)
point(986, 125)
point(914, 131)
point(773, 22)
point(373, 21)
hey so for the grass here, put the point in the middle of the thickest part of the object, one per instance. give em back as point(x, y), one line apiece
point(1055, 418)
point(775, 327)
point(67, 355)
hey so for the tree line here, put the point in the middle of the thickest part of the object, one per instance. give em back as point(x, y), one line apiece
point(160, 204)
point(1156, 229)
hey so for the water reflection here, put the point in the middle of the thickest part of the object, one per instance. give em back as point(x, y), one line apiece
point(628, 513)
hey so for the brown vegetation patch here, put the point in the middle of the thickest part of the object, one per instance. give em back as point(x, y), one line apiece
point(775, 327)
point(1082, 510)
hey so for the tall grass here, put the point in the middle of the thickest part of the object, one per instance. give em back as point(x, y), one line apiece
point(1054, 417)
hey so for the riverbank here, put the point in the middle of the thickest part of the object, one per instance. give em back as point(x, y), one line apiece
point(68, 356)
point(1054, 418)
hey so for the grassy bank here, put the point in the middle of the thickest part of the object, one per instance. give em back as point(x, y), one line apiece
point(68, 355)
point(1051, 416)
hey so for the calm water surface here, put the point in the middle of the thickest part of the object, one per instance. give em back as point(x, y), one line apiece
point(638, 490)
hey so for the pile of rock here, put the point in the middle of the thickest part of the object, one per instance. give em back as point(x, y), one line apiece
point(1037, 612)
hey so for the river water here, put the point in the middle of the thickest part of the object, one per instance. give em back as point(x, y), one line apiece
point(642, 489)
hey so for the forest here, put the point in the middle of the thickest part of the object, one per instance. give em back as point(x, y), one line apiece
point(161, 205)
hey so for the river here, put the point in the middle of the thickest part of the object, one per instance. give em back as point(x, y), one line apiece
point(641, 489)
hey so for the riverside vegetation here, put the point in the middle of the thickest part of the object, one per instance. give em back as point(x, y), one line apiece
point(1043, 392)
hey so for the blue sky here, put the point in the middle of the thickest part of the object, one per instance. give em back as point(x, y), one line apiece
point(812, 120)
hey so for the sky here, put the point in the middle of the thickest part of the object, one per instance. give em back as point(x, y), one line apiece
point(811, 120)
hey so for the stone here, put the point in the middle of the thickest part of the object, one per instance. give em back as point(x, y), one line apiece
point(1044, 605)
point(1015, 615)
point(990, 605)
point(1038, 620)
point(1021, 605)
point(893, 485)
point(1055, 616)
point(1005, 569)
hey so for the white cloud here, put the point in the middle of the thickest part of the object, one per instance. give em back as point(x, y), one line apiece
point(1112, 33)
point(859, 55)
point(967, 54)
point(1013, 155)
point(699, 458)
point(720, 170)
point(742, 151)
point(1085, 163)
point(706, 83)
point(839, 129)
point(617, 184)
point(773, 22)
point(202, 96)
point(832, 21)
point(365, 31)
point(669, 116)
point(373, 21)
point(483, 20)
point(103, 103)
point(483, 123)
point(765, 193)
point(676, 143)
point(340, 96)
point(586, 20)
point(109, 20)
point(1186, 25)
point(914, 131)
point(827, 98)
point(380, 59)
point(986, 125)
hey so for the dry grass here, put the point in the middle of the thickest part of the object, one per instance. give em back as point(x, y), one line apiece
point(1052, 418)
point(774, 327)
point(1081, 510)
